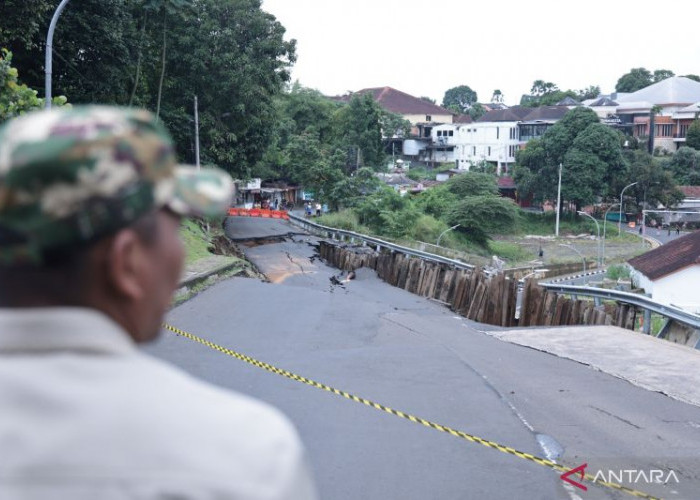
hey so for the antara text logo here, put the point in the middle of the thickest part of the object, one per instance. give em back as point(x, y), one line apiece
point(629, 476)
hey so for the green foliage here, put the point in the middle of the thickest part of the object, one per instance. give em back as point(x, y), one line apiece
point(387, 212)
point(360, 124)
point(655, 182)
point(428, 228)
point(16, 98)
point(590, 153)
point(229, 53)
point(638, 78)
point(344, 219)
point(195, 240)
point(692, 138)
point(693, 77)
point(461, 98)
point(436, 201)
point(476, 111)
point(618, 271)
point(480, 215)
point(685, 166)
point(472, 184)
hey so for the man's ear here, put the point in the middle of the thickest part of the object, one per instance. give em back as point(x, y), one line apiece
point(126, 265)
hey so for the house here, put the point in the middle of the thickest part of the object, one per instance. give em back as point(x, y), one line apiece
point(423, 116)
point(498, 134)
point(674, 98)
point(671, 272)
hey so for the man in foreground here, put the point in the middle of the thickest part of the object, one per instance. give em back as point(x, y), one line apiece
point(90, 205)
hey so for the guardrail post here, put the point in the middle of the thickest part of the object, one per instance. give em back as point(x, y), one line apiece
point(597, 301)
point(646, 328)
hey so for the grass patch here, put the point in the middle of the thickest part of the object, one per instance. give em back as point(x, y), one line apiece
point(344, 219)
point(195, 240)
point(511, 252)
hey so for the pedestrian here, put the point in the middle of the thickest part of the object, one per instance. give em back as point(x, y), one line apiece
point(318, 209)
point(678, 229)
point(90, 206)
point(669, 230)
point(307, 209)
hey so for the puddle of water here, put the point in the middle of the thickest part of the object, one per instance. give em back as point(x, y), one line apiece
point(550, 446)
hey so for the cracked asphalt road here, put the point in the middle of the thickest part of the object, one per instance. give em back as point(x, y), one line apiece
point(411, 354)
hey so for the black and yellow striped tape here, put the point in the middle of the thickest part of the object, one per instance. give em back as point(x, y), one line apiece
point(438, 427)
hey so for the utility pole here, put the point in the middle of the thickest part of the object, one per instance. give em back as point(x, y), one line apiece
point(556, 233)
point(196, 133)
point(48, 62)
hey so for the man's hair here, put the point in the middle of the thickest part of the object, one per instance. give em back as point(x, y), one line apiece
point(64, 275)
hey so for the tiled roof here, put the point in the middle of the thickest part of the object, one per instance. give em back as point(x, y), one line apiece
point(514, 114)
point(523, 114)
point(462, 119)
point(669, 258)
point(402, 103)
point(690, 191)
point(546, 113)
point(568, 101)
point(603, 101)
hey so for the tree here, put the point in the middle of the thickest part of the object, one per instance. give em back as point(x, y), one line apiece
point(497, 96)
point(428, 99)
point(591, 92)
point(472, 184)
point(22, 22)
point(636, 79)
point(476, 111)
point(16, 98)
point(662, 74)
point(460, 98)
point(655, 184)
point(540, 88)
point(692, 138)
point(693, 77)
point(478, 216)
point(685, 166)
point(359, 124)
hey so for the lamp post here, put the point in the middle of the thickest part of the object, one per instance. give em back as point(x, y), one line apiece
point(619, 221)
point(580, 255)
point(48, 63)
point(580, 212)
point(556, 232)
point(605, 220)
point(443, 233)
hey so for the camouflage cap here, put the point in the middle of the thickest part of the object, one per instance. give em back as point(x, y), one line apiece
point(71, 175)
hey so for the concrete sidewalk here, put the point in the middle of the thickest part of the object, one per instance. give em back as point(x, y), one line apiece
point(645, 361)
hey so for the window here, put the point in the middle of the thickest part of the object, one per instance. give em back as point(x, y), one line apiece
point(489, 151)
point(498, 132)
point(664, 130)
point(428, 118)
point(450, 133)
point(439, 133)
point(473, 150)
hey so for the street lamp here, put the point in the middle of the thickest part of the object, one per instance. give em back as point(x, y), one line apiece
point(443, 233)
point(580, 212)
point(619, 221)
point(580, 255)
point(48, 63)
point(605, 220)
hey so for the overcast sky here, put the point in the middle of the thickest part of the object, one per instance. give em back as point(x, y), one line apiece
point(426, 47)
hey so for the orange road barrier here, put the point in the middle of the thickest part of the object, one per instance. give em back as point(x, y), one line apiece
point(258, 212)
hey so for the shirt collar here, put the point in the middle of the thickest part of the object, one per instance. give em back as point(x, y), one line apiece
point(61, 329)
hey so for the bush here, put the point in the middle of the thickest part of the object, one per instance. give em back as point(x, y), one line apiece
point(345, 219)
point(618, 271)
point(427, 228)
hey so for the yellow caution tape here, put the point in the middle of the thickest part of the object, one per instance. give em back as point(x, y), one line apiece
point(427, 423)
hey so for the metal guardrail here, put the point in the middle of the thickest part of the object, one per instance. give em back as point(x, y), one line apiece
point(675, 313)
point(334, 233)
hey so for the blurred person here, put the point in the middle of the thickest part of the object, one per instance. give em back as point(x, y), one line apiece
point(90, 205)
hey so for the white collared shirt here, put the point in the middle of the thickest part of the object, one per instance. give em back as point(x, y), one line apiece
point(85, 415)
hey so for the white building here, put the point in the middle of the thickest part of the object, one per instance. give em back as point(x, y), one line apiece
point(497, 136)
point(671, 272)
